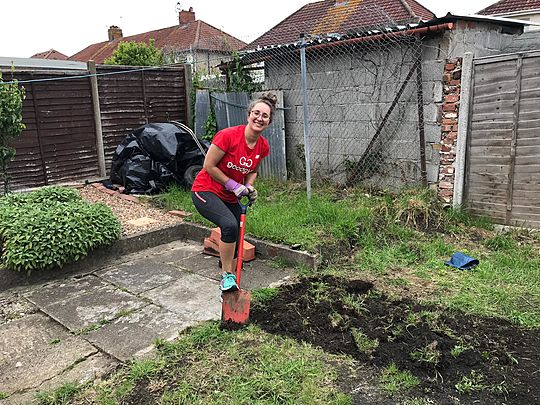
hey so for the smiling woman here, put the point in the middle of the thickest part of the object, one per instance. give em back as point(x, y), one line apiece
point(228, 174)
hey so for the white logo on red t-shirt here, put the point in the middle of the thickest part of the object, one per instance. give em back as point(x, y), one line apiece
point(246, 162)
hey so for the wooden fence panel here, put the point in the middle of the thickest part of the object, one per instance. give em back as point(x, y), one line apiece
point(135, 97)
point(503, 175)
point(58, 144)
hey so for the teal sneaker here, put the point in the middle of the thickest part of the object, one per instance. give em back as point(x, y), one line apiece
point(228, 282)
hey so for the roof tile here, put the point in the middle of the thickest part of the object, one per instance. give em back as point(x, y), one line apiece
point(193, 35)
point(329, 16)
point(510, 6)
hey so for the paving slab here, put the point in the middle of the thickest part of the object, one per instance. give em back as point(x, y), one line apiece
point(176, 251)
point(57, 291)
point(141, 275)
point(93, 307)
point(92, 369)
point(35, 349)
point(194, 297)
point(256, 274)
point(133, 335)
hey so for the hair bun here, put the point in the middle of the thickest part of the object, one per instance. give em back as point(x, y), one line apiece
point(269, 97)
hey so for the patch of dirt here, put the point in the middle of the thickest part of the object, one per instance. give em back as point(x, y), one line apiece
point(490, 360)
point(127, 211)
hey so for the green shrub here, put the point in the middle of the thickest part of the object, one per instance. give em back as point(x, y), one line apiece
point(52, 227)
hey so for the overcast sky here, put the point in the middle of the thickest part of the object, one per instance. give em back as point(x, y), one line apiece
point(31, 26)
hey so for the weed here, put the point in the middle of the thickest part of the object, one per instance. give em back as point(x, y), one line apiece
point(394, 381)
point(363, 342)
point(262, 295)
point(355, 303)
point(470, 383)
point(337, 320)
point(58, 396)
point(319, 292)
point(428, 354)
point(3, 395)
point(54, 341)
point(458, 349)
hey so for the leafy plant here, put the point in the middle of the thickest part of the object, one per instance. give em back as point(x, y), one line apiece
point(132, 53)
point(52, 227)
point(11, 124)
point(210, 126)
point(240, 79)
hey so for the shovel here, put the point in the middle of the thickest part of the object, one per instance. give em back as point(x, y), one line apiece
point(235, 305)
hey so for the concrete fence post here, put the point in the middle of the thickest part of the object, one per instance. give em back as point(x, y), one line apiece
point(463, 128)
point(97, 119)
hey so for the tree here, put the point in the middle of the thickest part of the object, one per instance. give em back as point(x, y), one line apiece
point(11, 124)
point(136, 54)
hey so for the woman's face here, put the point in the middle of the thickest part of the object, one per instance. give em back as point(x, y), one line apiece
point(259, 117)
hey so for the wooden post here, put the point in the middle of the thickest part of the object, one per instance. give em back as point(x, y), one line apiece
point(97, 119)
point(513, 145)
point(188, 80)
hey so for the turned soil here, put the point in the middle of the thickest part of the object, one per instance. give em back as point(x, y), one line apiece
point(489, 360)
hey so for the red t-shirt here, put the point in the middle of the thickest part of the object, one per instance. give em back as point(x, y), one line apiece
point(238, 161)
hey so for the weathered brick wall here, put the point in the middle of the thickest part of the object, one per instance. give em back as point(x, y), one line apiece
point(449, 128)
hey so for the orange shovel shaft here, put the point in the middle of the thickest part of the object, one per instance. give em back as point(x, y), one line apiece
point(240, 255)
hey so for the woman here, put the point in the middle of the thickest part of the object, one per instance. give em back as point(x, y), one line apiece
point(228, 174)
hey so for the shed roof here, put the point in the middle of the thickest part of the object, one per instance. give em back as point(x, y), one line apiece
point(196, 35)
point(510, 7)
point(331, 16)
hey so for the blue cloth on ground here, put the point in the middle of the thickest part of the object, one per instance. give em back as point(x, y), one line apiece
point(462, 261)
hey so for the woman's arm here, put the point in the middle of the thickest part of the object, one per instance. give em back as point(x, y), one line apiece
point(213, 157)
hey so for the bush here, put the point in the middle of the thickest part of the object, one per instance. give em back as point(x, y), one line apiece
point(51, 227)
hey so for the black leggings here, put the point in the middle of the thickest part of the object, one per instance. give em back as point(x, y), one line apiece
point(223, 214)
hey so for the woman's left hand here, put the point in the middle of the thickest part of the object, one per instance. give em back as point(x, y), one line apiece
point(252, 193)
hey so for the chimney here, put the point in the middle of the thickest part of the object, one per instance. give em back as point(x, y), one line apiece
point(114, 33)
point(185, 17)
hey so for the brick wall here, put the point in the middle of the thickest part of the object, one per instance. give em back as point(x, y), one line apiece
point(449, 127)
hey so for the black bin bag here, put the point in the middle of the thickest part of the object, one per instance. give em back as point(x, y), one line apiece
point(154, 156)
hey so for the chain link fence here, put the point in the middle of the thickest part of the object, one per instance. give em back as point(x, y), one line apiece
point(353, 100)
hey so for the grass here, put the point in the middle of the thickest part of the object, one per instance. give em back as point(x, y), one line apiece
point(210, 366)
point(58, 396)
point(395, 381)
point(403, 240)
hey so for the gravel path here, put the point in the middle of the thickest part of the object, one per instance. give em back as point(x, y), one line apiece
point(134, 217)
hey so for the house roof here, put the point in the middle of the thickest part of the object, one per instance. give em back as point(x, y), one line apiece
point(195, 35)
point(510, 7)
point(331, 16)
point(50, 54)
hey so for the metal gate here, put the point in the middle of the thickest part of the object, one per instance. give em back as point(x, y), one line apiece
point(503, 155)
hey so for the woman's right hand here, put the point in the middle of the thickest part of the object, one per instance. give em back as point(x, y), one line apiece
point(238, 189)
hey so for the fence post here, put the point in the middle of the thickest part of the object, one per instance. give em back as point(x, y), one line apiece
point(421, 129)
point(463, 127)
point(97, 118)
point(307, 147)
point(189, 88)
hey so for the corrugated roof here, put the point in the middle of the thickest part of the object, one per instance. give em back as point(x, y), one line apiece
point(50, 54)
point(331, 16)
point(193, 35)
point(510, 7)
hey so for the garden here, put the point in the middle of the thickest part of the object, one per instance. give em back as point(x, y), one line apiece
point(383, 320)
